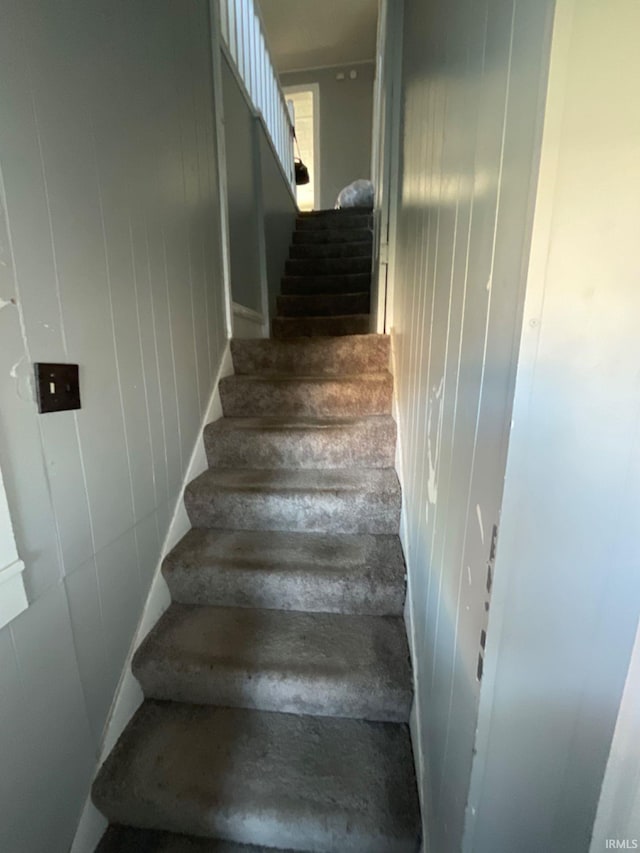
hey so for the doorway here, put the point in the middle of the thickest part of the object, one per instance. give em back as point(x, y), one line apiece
point(303, 105)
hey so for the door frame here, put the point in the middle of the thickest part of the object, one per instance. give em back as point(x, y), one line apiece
point(314, 88)
point(13, 597)
point(385, 158)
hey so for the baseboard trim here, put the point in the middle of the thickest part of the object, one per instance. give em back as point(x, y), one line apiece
point(13, 596)
point(409, 616)
point(247, 313)
point(128, 695)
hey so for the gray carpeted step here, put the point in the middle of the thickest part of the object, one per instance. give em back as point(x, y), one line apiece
point(308, 396)
point(322, 664)
point(312, 356)
point(328, 266)
point(125, 839)
point(255, 777)
point(334, 219)
point(333, 235)
point(311, 284)
point(335, 573)
point(301, 442)
point(324, 304)
point(334, 212)
point(297, 327)
point(358, 249)
point(331, 501)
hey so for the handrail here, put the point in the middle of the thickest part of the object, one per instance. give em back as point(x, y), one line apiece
point(244, 37)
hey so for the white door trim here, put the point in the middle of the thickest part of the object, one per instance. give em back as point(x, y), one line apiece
point(13, 597)
point(618, 815)
point(385, 159)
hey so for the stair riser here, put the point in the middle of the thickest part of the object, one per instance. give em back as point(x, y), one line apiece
point(334, 221)
point(362, 354)
point(285, 590)
point(267, 829)
point(323, 305)
point(264, 691)
point(365, 445)
point(329, 398)
point(297, 285)
point(299, 327)
point(362, 575)
point(329, 266)
point(330, 235)
point(338, 511)
point(300, 251)
point(120, 839)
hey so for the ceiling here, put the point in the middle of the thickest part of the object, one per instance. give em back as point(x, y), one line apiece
point(317, 33)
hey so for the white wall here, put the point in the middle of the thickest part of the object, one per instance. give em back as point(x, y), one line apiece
point(346, 117)
point(110, 248)
point(472, 85)
point(567, 589)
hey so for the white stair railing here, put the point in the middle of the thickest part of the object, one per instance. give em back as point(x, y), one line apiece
point(245, 44)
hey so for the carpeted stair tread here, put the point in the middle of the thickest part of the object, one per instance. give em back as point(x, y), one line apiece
point(308, 396)
point(354, 500)
point(313, 285)
point(359, 249)
point(332, 220)
point(323, 304)
point(335, 212)
point(356, 354)
point(332, 235)
point(298, 442)
point(126, 839)
point(295, 327)
point(336, 573)
point(255, 777)
point(275, 660)
point(328, 266)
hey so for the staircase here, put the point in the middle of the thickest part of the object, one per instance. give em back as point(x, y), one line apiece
point(277, 685)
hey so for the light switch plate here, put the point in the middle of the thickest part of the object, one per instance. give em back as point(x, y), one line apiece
point(58, 387)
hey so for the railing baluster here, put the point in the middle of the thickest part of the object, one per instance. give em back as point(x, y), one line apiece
point(224, 22)
point(254, 62)
point(233, 32)
point(245, 40)
point(248, 14)
point(261, 71)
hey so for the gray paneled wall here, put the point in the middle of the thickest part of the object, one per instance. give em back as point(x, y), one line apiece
point(346, 116)
point(242, 182)
point(110, 250)
point(278, 217)
point(472, 82)
point(567, 588)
